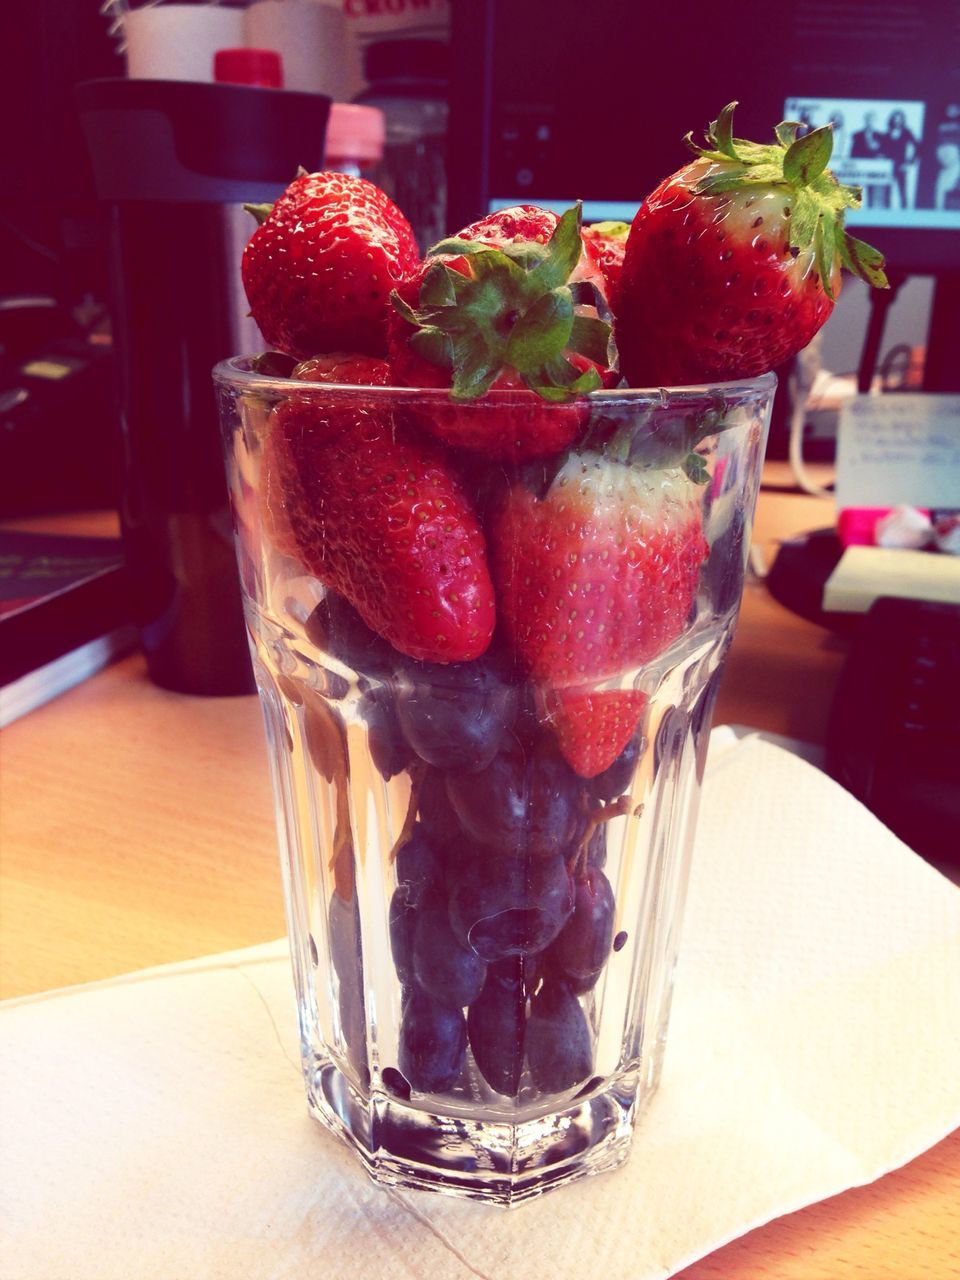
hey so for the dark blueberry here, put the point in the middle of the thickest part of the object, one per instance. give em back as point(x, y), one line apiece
point(455, 717)
point(616, 779)
point(353, 1024)
point(273, 364)
point(417, 865)
point(433, 1043)
point(580, 950)
point(620, 941)
point(403, 920)
point(522, 803)
point(518, 971)
point(437, 818)
point(344, 929)
point(347, 956)
point(395, 1082)
point(593, 1083)
point(509, 906)
point(597, 847)
point(495, 1025)
point(389, 749)
point(449, 971)
point(335, 627)
point(558, 1041)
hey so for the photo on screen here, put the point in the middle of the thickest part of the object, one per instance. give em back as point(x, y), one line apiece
point(904, 156)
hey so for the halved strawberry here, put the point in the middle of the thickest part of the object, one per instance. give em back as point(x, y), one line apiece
point(733, 263)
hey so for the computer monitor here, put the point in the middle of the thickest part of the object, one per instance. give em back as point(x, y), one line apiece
point(557, 100)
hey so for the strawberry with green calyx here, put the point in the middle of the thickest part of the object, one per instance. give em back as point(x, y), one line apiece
point(319, 269)
point(485, 319)
point(594, 579)
point(733, 263)
point(377, 515)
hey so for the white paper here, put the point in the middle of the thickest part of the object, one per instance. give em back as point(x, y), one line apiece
point(154, 1126)
point(864, 574)
point(901, 449)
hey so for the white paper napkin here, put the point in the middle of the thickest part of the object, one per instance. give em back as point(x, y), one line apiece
point(154, 1126)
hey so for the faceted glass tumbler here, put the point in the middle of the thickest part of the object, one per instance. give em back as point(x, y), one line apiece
point(484, 927)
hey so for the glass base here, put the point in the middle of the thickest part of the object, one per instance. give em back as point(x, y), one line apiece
point(497, 1161)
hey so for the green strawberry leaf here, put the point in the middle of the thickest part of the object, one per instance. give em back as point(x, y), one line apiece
point(439, 288)
point(786, 132)
point(563, 253)
point(804, 218)
point(473, 372)
point(807, 157)
point(721, 132)
point(695, 465)
point(494, 264)
point(433, 345)
point(404, 309)
point(259, 211)
point(542, 332)
point(590, 337)
point(527, 255)
point(863, 260)
point(825, 252)
point(556, 385)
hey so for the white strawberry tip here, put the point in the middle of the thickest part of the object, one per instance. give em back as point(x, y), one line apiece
point(515, 311)
point(818, 200)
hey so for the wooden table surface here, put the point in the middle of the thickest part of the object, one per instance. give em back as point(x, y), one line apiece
point(136, 828)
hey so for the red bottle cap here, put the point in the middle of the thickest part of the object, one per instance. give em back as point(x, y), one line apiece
point(355, 133)
point(261, 68)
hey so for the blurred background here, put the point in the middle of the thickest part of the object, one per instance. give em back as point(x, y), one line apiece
point(482, 104)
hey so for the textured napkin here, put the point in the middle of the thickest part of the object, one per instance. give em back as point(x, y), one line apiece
point(154, 1126)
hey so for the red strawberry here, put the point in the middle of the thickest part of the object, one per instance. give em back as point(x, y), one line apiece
point(344, 367)
point(501, 320)
point(519, 225)
point(594, 727)
point(379, 518)
point(593, 580)
point(319, 270)
point(733, 263)
point(605, 244)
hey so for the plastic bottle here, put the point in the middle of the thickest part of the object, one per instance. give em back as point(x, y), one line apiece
point(408, 81)
point(355, 140)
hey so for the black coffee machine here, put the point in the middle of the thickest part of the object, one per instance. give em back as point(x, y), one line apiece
point(176, 161)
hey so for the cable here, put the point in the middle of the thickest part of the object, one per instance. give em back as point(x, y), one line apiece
point(799, 385)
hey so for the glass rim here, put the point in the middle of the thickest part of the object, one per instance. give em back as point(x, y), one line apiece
point(232, 373)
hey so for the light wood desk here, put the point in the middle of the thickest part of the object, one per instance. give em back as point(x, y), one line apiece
point(136, 828)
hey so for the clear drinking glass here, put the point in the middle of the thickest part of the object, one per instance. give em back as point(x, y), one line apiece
point(483, 938)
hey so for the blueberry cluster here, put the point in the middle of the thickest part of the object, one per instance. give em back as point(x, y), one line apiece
point(502, 916)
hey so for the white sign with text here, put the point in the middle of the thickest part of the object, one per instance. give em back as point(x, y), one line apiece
point(899, 449)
